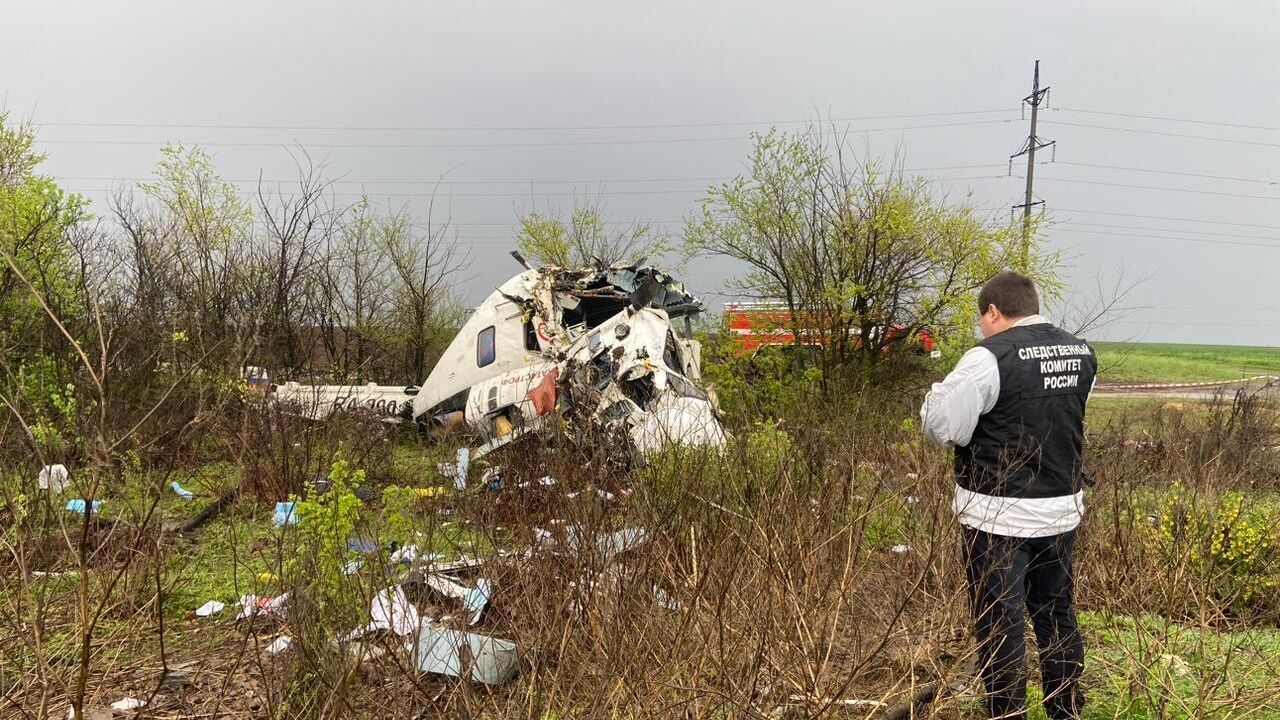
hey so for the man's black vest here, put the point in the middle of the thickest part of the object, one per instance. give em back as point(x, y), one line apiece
point(1029, 445)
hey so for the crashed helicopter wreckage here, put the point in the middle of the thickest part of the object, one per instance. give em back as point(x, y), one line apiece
point(596, 344)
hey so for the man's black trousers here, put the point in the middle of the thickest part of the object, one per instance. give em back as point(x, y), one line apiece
point(1006, 574)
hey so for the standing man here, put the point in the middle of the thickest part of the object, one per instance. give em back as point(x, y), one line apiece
point(1013, 409)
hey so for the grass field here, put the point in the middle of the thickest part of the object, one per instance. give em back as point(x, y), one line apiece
point(1167, 362)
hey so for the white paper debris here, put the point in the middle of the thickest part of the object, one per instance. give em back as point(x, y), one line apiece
point(213, 607)
point(128, 704)
point(53, 478)
point(280, 644)
point(405, 553)
point(545, 481)
point(391, 610)
point(901, 549)
point(473, 599)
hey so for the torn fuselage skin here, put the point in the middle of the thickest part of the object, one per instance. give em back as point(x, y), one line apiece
point(597, 343)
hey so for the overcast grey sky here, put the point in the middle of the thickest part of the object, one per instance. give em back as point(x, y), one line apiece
point(1211, 251)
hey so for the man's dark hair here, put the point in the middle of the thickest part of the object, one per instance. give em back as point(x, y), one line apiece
point(1013, 294)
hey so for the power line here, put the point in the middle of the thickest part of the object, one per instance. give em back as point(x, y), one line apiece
point(1167, 119)
point(1169, 218)
point(1074, 223)
point(507, 128)
point(375, 181)
point(564, 143)
point(1213, 323)
point(1180, 239)
point(1165, 189)
point(620, 181)
point(526, 193)
point(569, 193)
point(1164, 134)
point(1164, 172)
point(521, 181)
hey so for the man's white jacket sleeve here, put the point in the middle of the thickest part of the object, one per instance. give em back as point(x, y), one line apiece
point(951, 409)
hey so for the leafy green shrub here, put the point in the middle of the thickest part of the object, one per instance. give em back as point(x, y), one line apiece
point(54, 408)
point(771, 382)
point(397, 504)
point(1234, 548)
point(325, 522)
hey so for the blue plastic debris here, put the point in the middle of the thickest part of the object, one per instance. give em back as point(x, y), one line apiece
point(78, 505)
point(478, 599)
point(285, 514)
point(361, 545)
point(184, 493)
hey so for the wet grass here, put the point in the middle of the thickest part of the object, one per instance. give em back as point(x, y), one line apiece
point(1166, 362)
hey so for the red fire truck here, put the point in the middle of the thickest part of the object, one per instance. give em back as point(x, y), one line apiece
point(759, 324)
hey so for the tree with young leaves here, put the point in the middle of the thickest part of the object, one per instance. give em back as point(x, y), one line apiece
point(584, 238)
point(188, 261)
point(424, 263)
point(39, 263)
point(859, 256)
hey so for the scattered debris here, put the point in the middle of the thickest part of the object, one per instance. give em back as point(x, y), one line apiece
point(53, 478)
point(178, 675)
point(280, 644)
point(213, 607)
point(901, 549)
point(78, 505)
point(488, 660)
point(665, 601)
point(619, 542)
point(545, 481)
point(406, 554)
point(458, 468)
point(181, 491)
point(285, 514)
point(128, 704)
point(391, 610)
point(430, 492)
point(251, 605)
point(842, 702)
point(474, 599)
